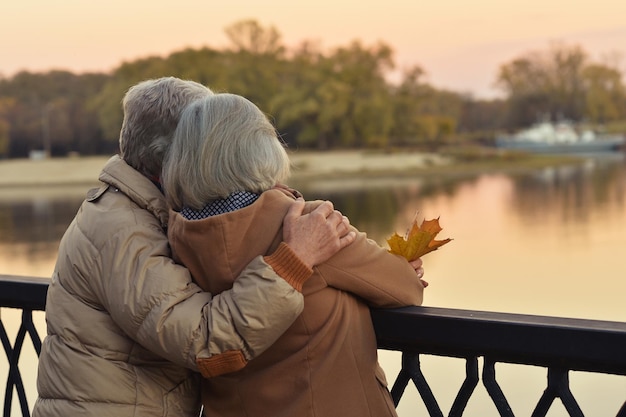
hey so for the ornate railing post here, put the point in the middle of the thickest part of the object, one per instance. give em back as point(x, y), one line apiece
point(558, 387)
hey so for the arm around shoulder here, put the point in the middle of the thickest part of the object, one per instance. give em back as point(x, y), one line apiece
point(244, 321)
point(317, 235)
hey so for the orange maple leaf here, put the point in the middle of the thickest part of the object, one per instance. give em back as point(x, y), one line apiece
point(418, 241)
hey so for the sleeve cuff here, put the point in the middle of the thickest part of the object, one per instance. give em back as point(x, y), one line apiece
point(224, 363)
point(288, 266)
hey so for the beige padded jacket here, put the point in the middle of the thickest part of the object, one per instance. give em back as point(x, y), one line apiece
point(128, 329)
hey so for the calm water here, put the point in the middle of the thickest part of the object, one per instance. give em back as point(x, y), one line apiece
point(547, 242)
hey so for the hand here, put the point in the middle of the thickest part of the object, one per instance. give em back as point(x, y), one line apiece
point(419, 270)
point(316, 236)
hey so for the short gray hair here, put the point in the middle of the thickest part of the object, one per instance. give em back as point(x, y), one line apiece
point(152, 109)
point(223, 143)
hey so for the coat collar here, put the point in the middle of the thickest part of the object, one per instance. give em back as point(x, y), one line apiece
point(143, 192)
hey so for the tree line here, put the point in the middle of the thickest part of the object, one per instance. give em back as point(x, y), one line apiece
point(341, 98)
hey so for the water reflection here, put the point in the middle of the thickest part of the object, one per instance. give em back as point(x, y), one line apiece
point(541, 242)
point(547, 242)
point(572, 194)
point(544, 242)
point(38, 218)
point(32, 223)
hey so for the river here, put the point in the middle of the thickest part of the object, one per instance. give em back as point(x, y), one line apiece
point(546, 242)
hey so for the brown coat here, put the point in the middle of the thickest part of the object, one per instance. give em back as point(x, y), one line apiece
point(326, 363)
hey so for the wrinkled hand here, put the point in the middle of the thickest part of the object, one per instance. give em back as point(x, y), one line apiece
point(318, 235)
point(419, 270)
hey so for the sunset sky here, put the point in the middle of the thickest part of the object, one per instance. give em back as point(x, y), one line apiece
point(459, 43)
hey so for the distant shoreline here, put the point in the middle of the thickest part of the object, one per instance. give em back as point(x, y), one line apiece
point(306, 165)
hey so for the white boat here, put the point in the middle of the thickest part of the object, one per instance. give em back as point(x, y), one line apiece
point(559, 137)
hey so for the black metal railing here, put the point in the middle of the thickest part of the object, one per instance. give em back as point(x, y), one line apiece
point(559, 345)
point(27, 294)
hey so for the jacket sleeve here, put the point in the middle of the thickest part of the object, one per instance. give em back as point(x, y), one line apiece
point(369, 271)
point(155, 302)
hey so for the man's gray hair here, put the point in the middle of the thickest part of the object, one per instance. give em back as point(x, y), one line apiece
point(223, 143)
point(152, 109)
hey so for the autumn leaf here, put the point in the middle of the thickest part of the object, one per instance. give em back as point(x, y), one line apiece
point(419, 240)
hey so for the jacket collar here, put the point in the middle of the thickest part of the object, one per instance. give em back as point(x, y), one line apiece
point(143, 192)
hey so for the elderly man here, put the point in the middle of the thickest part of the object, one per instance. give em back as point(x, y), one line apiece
point(128, 331)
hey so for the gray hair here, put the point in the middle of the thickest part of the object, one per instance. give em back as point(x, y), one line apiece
point(152, 109)
point(223, 143)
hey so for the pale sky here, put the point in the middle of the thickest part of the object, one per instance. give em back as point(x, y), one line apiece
point(459, 43)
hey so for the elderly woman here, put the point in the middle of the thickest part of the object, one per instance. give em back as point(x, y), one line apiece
point(223, 178)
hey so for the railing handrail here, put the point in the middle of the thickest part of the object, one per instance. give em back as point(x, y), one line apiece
point(556, 343)
point(569, 343)
point(23, 292)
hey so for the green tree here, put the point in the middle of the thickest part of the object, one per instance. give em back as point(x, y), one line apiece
point(424, 115)
point(545, 83)
point(296, 104)
point(605, 93)
point(50, 111)
point(6, 105)
point(255, 63)
point(4, 138)
point(406, 107)
point(361, 71)
point(250, 36)
point(339, 99)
